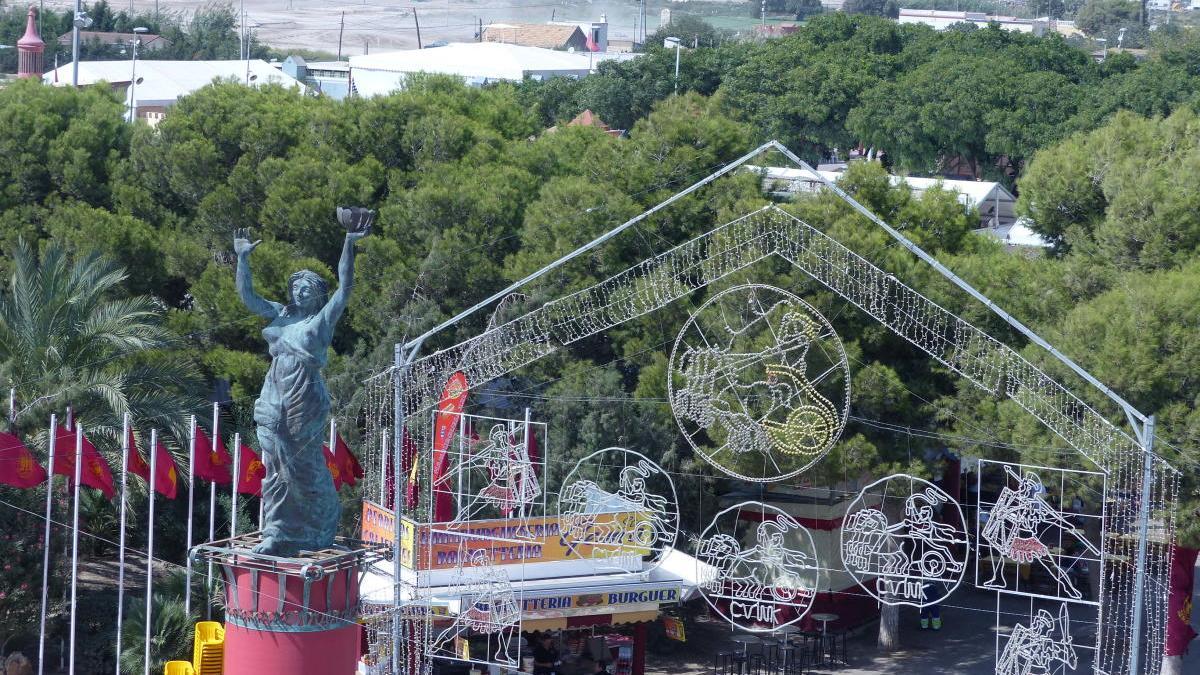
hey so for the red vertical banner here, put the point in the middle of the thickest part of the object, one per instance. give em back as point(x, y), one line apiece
point(1179, 601)
point(450, 407)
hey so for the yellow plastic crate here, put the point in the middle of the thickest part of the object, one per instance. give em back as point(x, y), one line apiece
point(178, 668)
point(208, 653)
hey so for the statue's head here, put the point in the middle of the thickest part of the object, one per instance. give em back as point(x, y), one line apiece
point(307, 292)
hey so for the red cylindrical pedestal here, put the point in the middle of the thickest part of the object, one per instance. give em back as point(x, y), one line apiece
point(259, 652)
point(291, 619)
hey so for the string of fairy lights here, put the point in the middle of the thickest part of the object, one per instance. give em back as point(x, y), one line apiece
point(952, 341)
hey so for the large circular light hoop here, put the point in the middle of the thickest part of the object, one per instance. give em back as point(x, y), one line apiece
point(904, 540)
point(757, 567)
point(759, 383)
point(618, 506)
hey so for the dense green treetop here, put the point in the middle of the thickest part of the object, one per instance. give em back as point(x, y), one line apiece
point(474, 194)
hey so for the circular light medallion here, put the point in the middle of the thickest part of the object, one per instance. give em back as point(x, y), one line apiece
point(618, 507)
point(757, 567)
point(759, 383)
point(904, 540)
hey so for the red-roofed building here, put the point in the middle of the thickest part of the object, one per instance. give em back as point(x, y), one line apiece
point(587, 118)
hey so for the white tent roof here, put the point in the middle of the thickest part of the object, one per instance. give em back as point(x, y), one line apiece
point(166, 81)
point(970, 192)
point(1018, 234)
point(677, 569)
point(476, 62)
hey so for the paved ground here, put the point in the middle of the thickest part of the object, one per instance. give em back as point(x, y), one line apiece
point(965, 646)
point(383, 25)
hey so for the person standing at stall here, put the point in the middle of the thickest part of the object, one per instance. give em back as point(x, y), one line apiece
point(545, 655)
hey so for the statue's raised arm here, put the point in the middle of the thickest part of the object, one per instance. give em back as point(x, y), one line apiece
point(242, 246)
point(357, 222)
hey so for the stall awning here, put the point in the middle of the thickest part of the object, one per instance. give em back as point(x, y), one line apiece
point(592, 620)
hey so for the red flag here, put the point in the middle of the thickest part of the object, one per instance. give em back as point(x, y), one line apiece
point(95, 472)
point(348, 463)
point(335, 468)
point(134, 463)
point(166, 477)
point(250, 472)
point(18, 467)
point(212, 464)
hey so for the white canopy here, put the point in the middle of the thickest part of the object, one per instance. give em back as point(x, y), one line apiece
point(163, 82)
point(475, 62)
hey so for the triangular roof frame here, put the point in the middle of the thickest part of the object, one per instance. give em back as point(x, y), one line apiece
point(986, 362)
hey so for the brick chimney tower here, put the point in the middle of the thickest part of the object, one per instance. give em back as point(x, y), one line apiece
point(30, 48)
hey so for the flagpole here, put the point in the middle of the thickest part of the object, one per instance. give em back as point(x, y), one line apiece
point(121, 547)
point(75, 541)
point(46, 551)
point(212, 506)
point(150, 545)
point(187, 593)
point(237, 475)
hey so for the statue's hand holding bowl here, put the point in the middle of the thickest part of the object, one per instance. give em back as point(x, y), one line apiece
point(356, 220)
point(241, 242)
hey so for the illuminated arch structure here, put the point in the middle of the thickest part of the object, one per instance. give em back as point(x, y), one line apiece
point(412, 386)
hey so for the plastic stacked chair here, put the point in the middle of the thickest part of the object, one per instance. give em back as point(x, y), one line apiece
point(208, 652)
point(179, 668)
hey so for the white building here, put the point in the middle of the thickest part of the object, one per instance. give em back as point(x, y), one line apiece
point(161, 83)
point(941, 20)
point(995, 204)
point(477, 63)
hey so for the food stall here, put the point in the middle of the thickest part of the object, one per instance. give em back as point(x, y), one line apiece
point(596, 607)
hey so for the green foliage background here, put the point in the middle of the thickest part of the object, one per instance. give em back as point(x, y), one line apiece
point(473, 194)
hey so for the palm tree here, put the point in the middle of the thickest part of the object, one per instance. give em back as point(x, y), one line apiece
point(171, 632)
point(70, 336)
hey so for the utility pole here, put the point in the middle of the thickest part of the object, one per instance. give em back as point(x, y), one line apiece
point(479, 35)
point(75, 26)
point(643, 10)
point(242, 33)
point(341, 28)
point(418, 23)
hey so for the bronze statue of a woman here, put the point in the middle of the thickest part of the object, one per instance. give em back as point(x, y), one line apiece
point(300, 506)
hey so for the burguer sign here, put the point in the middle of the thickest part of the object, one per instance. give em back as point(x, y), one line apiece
point(597, 603)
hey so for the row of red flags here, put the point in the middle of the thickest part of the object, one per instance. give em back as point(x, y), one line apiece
point(19, 468)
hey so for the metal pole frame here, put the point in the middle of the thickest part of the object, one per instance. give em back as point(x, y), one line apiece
point(401, 366)
point(187, 593)
point(46, 551)
point(125, 428)
point(1142, 425)
point(212, 506)
point(150, 547)
point(237, 474)
point(1146, 439)
point(75, 541)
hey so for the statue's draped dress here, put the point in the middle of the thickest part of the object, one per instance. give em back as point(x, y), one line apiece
point(301, 507)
